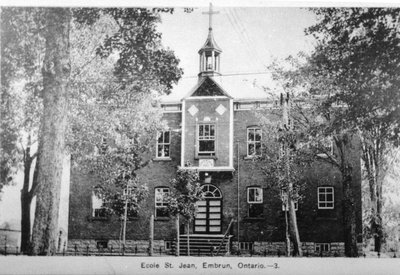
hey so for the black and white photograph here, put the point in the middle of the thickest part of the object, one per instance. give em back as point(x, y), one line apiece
point(200, 137)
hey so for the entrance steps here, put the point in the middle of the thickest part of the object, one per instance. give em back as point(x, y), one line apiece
point(204, 244)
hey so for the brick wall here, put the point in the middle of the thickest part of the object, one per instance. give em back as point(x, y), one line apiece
point(207, 112)
point(315, 225)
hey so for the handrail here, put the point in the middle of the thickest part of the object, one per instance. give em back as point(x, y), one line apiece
point(223, 238)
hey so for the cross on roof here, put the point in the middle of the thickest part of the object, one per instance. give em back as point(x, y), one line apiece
point(210, 13)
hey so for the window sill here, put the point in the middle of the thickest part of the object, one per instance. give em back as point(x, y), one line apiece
point(162, 218)
point(251, 157)
point(205, 157)
point(162, 159)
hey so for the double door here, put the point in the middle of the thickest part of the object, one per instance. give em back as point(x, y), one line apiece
point(208, 216)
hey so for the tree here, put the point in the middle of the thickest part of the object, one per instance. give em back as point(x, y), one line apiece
point(22, 48)
point(115, 115)
point(19, 102)
point(182, 200)
point(358, 50)
point(319, 120)
point(134, 41)
point(284, 165)
point(56, 71)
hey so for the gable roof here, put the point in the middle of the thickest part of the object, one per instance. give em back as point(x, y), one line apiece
point(207, 86)
point(237, 87)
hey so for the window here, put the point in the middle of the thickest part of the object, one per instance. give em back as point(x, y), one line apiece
point(163, 144)
point(206, 139)
point(322, 247)
point(284, 197)
point(255, 202)
point(101, 244)
point(98, 208)
point(167, 245)
point(253, 141)
point(161, 195)
point(254, 195)
point(325, 198)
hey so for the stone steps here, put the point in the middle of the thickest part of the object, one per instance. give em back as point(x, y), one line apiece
point(203, 245)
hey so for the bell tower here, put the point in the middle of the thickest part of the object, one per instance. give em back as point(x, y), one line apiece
point(210, 52)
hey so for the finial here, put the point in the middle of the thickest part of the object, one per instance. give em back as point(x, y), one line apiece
point(210, 14)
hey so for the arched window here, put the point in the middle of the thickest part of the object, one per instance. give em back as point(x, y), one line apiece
point(210, 191)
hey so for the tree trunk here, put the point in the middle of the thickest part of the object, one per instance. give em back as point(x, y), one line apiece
point(372, 160)
point(287, 235)
point(348, 204)
point(55, 71)
point(294, 230)
point(188, 241)
point(378, 223)
point(25, 223)
point(151, 236)
point(177, 235)
point(349, 214)
point(26, 201)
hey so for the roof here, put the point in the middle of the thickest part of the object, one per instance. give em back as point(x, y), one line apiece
point(210, 43)
point(238, 87)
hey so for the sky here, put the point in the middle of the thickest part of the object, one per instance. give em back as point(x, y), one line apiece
point(250, 38)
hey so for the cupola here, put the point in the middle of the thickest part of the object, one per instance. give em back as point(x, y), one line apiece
point(210, 52)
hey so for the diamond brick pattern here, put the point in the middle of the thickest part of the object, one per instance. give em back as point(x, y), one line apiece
point(220, 109)
point(193, 110)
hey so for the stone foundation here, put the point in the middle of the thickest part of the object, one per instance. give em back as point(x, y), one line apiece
point(336, 249)
point(115, 246)
point(141, 247)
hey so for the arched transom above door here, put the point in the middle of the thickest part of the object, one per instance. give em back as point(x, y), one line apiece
point(211, 191)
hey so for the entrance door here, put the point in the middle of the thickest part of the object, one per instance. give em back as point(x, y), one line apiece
point(209, 211)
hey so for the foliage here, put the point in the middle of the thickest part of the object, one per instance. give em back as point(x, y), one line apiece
point(186, 192)
point(141, 60)
point(358, 51)
point(274, 159)
point(20, 86)
point(318, 121)
point(120, 67)
point(118, 63)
